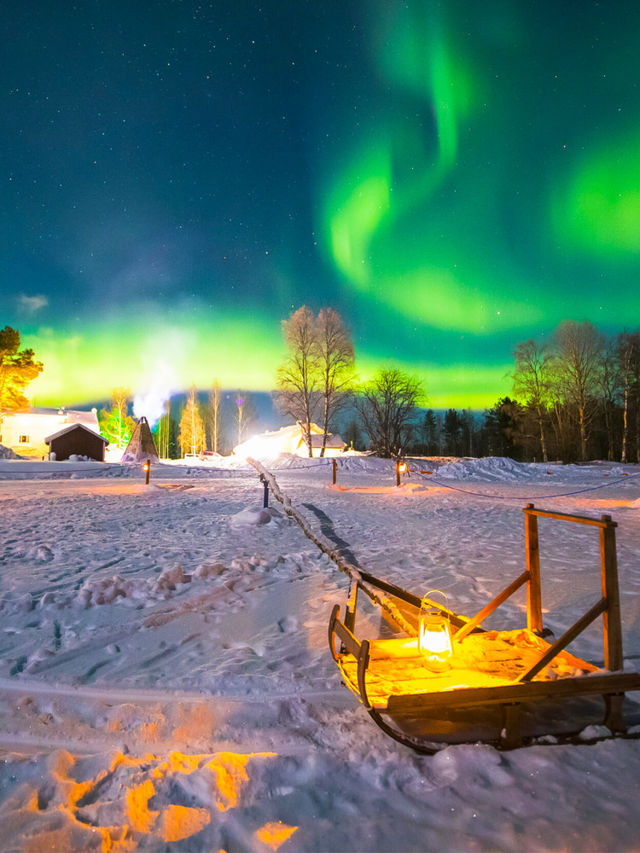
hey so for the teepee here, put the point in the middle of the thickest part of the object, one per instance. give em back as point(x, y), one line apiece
point(141, 445)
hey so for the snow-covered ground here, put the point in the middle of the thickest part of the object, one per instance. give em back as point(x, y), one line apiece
point(166, 683)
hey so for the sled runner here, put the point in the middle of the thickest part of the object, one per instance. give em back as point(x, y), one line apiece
point(508, 685)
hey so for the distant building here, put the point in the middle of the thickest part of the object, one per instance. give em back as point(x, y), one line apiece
point(76, 440)
point(25, 432)
point(290, 439)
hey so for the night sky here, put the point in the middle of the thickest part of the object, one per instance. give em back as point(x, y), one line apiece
point(453, 177)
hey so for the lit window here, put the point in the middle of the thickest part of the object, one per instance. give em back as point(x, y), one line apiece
point(23, 439)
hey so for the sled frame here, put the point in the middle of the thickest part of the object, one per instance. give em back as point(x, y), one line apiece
point(610, 682)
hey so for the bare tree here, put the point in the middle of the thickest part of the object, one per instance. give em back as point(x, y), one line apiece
point(245, 414)
point(115, 423)
point(214, 411)
point(335, 357)
point(628, 357)
point(578, 348)
point(387, 406)
point(608, 378)
point(531, 381)
point(298, 376)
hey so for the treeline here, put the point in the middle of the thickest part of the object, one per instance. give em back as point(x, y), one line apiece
point(215, 421)
point(575, 396)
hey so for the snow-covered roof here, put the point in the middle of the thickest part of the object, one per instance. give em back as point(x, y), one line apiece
point(60, 432)
point(332, 440)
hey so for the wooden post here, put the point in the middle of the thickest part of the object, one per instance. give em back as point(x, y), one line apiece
point(611, 626)
point(534, 596)
point(335, 471)
point(147, 470)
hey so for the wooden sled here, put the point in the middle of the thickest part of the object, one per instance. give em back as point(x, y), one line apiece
point(496, 678)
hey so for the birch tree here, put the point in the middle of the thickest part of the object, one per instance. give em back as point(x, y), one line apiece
point(531, 381)
point(336, 365)
point(116, 424)
point(298, 377)
point(214, 413)
point(192, 436)
point(578, 350)
point(628, 358)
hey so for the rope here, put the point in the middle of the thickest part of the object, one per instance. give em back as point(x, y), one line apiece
point(333, 553)
point(527, 497)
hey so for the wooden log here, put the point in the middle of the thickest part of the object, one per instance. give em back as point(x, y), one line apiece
point(489, 608)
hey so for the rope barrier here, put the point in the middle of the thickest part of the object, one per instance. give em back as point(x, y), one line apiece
point(624, 479)
point(333, 553)
point(484, 494)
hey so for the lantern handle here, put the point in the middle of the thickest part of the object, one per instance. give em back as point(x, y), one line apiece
point(431, 592)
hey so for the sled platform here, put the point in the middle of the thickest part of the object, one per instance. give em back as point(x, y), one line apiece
point(501, 686)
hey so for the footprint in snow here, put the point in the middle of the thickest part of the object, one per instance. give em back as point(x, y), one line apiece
point(42, 553)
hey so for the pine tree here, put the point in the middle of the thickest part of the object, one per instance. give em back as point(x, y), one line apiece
point(17, 369)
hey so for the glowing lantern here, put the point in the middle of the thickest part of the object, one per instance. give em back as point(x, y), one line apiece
point(434, 637)
point(401, 468)
point(146, 468)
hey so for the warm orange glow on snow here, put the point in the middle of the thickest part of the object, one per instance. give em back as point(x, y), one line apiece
point(180, 822)
point(275, 834)
point(231, 776)
point(406, 489)
point(139, 782)
point(141, 818)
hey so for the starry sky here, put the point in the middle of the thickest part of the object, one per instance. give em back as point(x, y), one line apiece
point(454, 177)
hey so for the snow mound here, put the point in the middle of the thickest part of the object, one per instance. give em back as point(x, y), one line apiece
point(257, 517)
point(108, 590)
point(7, 453)
point(488, 468)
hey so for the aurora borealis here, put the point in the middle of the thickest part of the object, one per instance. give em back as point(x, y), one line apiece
point(453, 177)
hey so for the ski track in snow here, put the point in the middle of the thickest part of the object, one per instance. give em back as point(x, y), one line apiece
point(154, 637)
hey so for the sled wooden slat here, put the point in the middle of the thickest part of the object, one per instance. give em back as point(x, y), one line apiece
point(493, 605)
point(524, 692)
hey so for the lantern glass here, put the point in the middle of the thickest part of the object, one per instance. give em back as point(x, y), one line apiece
point(434, 637)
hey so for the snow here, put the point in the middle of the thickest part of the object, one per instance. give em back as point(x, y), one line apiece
point(165, 678)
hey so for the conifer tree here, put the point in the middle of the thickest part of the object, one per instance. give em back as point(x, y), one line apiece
point(17, 369)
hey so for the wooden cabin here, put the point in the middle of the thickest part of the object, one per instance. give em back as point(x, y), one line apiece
point(77, 440)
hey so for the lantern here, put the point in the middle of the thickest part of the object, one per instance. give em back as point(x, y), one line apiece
point(434, 637)
point(146, 468)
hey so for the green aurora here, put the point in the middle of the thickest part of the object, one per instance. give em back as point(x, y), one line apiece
point(454, 178)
